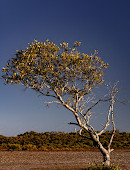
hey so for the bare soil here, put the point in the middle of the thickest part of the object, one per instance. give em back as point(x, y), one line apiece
point(69, 160)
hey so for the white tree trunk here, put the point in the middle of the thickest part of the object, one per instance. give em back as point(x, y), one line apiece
point(106, 159)
point(105, 153)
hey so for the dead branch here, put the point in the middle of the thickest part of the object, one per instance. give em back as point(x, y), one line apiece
point(80, 133)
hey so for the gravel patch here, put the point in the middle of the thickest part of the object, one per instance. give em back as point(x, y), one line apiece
point(40, 160)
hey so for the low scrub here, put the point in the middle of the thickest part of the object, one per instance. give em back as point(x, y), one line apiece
point(102, 167)
point(55, 141)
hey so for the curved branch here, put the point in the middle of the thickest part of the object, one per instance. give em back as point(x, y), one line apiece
point(80, 133)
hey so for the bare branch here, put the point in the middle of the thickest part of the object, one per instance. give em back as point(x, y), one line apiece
point(108, 121)
point(82, 105)
point(62, 102)
point(92, 107)
point(114, 129)
point(44, 94)
point(53, 102)
point(72, 123)
point(64, 87)
point(86, 123)
point(80, 133)
point(100, 100)
point(46, 85)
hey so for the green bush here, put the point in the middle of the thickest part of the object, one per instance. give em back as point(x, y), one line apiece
point(29, 147)
point(43, 148)
point(101, 166)
point(15, 147)
point(3, 146)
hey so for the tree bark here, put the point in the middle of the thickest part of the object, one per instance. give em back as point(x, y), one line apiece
point(106, 159)
point(105, 153)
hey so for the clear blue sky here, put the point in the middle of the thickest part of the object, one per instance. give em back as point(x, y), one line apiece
point(103, 25)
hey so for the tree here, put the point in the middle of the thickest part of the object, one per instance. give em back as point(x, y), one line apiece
point(68, 77)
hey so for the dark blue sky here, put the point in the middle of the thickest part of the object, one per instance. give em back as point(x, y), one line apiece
point(103, 25)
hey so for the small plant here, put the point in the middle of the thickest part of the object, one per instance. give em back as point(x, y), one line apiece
point(95, 166)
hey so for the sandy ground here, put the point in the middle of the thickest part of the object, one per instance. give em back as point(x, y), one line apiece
point(40, 160)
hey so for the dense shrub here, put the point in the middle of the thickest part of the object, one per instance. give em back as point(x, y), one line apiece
point(14, 147)
point(60, 141)
point(29, 147)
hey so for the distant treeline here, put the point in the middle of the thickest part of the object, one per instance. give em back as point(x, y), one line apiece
point(54, 141)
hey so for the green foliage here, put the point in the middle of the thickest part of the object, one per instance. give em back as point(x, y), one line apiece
point(102, 167)
point(15, 147)
point(60, 141)
point(29, 147)
point(53, 70)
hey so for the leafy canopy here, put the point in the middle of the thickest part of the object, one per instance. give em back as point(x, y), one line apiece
point(47, 68)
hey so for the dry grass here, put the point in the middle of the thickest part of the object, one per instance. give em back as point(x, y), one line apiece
point(69, 160)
